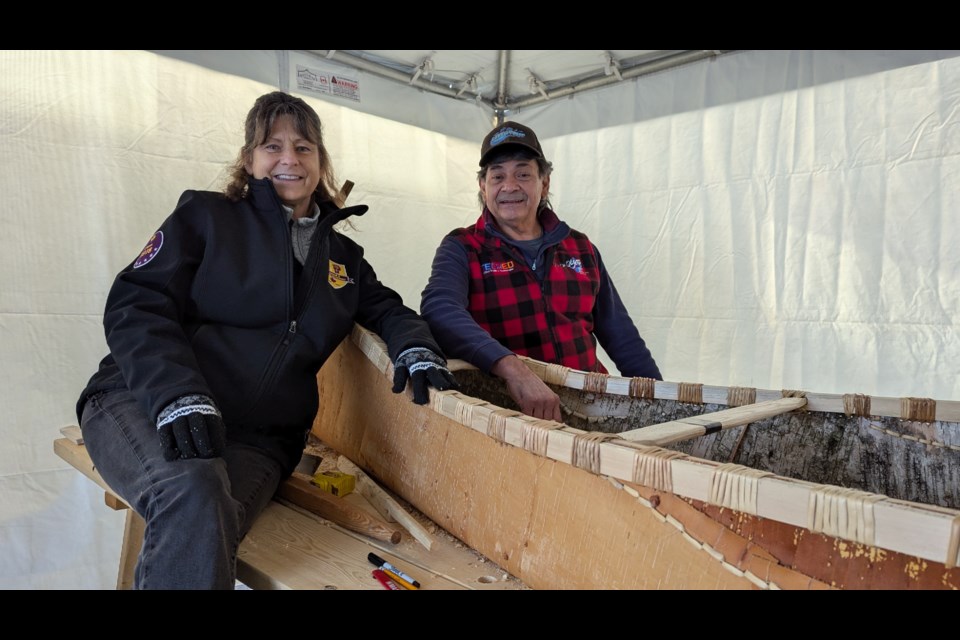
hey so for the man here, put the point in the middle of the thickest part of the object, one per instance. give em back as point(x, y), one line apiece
point(521, 281)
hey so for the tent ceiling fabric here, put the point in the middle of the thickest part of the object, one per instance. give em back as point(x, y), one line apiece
point(505, 79)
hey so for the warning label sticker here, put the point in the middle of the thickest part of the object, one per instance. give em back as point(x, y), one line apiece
point(329, 83)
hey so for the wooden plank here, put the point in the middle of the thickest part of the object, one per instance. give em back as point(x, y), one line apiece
point(72, 432)
point(290, 548)
point(344, 193)
point(300, 492)
point(78, 458)
point(385, 504)
point(694, 426)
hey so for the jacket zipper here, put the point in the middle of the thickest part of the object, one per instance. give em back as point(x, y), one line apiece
point(506, 248)
point(546, 307)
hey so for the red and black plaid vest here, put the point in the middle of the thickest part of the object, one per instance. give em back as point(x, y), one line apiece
point(551, 321)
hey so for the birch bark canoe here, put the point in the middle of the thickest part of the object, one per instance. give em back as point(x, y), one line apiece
point(824, 491)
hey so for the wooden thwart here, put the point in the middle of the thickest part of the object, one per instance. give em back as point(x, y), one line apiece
point(694, 426)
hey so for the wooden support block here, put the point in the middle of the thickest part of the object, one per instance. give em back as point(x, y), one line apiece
point(308, 464)
point(384, 503)
point(114, 502)
point(72, 433)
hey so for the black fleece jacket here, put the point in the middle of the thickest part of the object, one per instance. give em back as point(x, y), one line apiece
point(211, 307)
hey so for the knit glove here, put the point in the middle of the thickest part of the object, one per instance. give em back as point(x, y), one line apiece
point(421, 366)
point(191, 427)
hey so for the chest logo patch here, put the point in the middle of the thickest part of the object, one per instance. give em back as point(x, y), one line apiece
point(149, 251)
point(338, 277)
point(498, 267)
point(573, 264)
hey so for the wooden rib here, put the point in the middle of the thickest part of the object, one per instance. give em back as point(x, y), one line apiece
point(389, 508)
point(694, 426)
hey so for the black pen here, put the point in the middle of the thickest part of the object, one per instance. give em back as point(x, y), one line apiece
point(383, 564)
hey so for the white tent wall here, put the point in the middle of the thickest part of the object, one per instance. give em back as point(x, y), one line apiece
point(800, 238)
point(803, 239)
point(96, 149)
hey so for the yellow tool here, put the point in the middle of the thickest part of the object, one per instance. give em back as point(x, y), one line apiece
point(335, 482)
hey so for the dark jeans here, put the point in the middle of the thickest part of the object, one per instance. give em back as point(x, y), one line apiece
point(196, 511)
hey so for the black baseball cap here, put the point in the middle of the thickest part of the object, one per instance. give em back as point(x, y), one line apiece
point(508, 134)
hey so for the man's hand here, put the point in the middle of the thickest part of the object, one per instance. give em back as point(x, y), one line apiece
point(422, 367)
point(531, 393)
point(191, 427)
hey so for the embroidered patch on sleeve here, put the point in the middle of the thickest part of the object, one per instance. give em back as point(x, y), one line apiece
point(338, 275)
point(149, 251)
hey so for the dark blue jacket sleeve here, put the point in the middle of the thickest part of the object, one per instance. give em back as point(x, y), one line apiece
point(443, 305)
point(617, 334)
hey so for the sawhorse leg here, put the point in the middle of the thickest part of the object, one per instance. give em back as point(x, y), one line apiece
point(132, 541)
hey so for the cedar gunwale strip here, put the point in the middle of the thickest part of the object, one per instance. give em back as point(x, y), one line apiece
point(946, 410)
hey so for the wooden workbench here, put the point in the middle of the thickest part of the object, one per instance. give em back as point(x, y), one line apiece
point(291, 548)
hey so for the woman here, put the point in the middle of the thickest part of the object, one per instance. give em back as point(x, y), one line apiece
point(216, 333)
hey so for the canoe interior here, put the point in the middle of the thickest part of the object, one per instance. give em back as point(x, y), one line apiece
point(902, 459)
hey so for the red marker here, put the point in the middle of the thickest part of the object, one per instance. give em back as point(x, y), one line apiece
point(385, 580)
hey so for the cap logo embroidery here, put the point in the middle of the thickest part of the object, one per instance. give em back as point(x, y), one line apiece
point(501, 136)
point(150, 250)
point(337, 277)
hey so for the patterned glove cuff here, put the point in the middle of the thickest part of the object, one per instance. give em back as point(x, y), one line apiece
point(185, 405)
point(419, 355)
